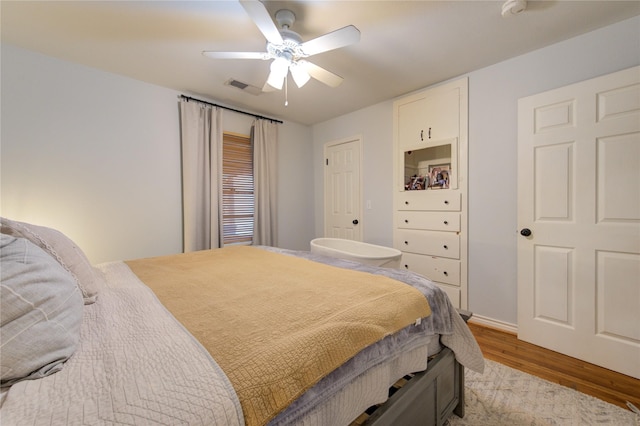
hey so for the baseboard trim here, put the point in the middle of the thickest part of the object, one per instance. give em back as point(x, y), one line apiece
point(494, 323)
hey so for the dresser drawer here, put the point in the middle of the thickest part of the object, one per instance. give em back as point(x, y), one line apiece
point(434, 243)
point(436, 221)
point(429, 199)
point(438, 269)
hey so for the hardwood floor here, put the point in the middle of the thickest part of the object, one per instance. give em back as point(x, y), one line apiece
point(596, 381)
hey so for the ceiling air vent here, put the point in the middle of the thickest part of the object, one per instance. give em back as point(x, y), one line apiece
point(243, 86)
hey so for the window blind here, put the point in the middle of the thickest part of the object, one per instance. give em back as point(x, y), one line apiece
point(237, 189)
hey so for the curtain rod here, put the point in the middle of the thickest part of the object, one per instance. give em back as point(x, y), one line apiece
point(231, 109)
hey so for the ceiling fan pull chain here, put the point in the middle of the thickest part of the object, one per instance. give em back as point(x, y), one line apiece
point(286, 89)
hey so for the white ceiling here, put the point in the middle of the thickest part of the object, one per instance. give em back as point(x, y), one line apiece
point(404, 46)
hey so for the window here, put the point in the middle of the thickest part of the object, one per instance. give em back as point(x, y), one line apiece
point(237, 189)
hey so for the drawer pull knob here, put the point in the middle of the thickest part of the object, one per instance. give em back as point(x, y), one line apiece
point(406, 221)
point(445, 247)
point(446, 274)
point(406, 266)
point(406, 242)
point(446, 201)
point(406, 203)
point(446, 222)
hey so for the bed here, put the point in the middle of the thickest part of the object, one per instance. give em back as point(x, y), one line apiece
point(234, 336)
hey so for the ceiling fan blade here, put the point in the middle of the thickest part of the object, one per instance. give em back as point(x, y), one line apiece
point(263, 21)
point(236, 55)
point(333, 40)
point(321, 74)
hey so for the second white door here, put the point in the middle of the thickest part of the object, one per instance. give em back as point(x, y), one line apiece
point(342, 189)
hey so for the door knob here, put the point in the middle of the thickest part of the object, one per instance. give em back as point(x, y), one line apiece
point(355, 221)
point(525, 232)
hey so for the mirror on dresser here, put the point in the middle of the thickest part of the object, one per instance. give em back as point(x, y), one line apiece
point(430, 168)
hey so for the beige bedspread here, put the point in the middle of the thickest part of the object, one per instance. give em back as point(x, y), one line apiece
point(277, 324)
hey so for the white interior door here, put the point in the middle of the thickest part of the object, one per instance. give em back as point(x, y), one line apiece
point(342, 189)
point(579, 197)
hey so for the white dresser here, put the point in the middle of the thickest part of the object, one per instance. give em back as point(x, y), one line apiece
point(430, 191)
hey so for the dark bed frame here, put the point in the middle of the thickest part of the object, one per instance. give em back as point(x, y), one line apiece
point(429, 398)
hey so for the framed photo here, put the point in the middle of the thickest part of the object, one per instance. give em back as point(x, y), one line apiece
point(439, 176)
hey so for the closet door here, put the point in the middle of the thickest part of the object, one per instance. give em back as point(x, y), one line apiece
point(579, 220)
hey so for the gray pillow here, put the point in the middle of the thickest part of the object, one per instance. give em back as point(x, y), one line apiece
point(62, 249)
point(40, 313)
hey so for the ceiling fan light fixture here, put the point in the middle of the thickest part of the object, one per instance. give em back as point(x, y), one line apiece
point(279, 69)
point(299, 74)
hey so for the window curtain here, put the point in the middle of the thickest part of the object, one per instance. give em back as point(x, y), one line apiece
point(201, 144)
point(264, 139)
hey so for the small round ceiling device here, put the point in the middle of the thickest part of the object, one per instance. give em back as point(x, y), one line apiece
point(513, 7)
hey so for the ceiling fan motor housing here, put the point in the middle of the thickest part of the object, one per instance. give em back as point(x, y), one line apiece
point(290, 48)
point(285, 18)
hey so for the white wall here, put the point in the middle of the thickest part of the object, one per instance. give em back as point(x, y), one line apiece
point(97, 156)
point(493, 95)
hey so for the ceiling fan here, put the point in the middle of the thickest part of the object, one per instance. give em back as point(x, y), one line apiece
point(287, 49)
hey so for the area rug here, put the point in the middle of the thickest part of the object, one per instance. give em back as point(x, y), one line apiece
point(504, 396)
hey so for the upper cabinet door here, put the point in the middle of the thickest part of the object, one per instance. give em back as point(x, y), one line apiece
point(411, 117)
point(442, 115)
point(425, 119)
